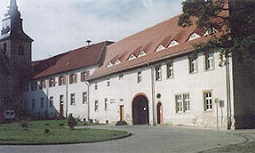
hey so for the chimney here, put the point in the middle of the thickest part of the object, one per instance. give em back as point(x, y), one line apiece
point(88, 42)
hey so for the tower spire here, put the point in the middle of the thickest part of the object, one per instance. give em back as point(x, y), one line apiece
point(13, 5)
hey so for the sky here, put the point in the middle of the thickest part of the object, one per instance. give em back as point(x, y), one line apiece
point(58, 26)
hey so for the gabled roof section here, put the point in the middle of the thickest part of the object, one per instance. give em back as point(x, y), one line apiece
point(75, 59)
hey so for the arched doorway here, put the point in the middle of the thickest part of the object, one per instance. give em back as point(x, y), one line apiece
point(140, 110)
point(159, 113)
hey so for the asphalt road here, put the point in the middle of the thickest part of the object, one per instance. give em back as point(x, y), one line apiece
point(144, 140)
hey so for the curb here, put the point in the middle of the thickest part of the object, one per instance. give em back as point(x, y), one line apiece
point(66, 143)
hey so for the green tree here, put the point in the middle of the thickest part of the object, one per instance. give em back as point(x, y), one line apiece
point(235, 17)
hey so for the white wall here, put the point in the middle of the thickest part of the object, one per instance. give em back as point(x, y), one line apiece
point(79, 110)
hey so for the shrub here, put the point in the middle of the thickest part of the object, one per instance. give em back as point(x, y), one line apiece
point(46, 131)
point(24, 124)
point(121, 123)
point(71, 121)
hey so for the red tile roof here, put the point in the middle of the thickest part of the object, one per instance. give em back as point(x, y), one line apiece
point(75, 59)
point(150, 39)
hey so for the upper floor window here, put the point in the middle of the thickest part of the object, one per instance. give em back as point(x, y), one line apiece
point(170, 70)
point(182, 103)
point(108, 83)
point(208, 101)
point(42, 84)
point(158, 72)
point(84, 97)
point(139, 77)
point(96, 105)
point(105, 104)
point(121, 76)
point(72, 99)
point(84, 76)
point(61, 80)
point(73, 78)
point(209, 61)
point(193, 64)
point(52, 82)
point(96, 86)
point(21, 51)
point(34, 85)
point(61, 99)
point(42, 103)
point(51, 101)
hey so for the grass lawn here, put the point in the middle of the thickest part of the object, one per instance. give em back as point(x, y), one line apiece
point(53, 132)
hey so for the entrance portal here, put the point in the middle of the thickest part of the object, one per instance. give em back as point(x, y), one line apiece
point(140, 110)
point(159, 113)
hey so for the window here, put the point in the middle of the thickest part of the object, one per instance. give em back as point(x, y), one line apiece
point(34, 85)
point(139, 77)
point(194, 36)
point(208, 101)
point(173, 43)
point(192, 64)
point(5, 48)
point(161, 47)
point(61, 80)
point(108, 83)
point(73, 78)
point(96, 105)
point(96, 86)
point(33, 104)
point(141, 54)
point(158, 72)
point(84, 97)
point(51, 101)
point(52, 82)
point(121, 76)
point(84, 76)
point(178, 99)
point(182, 103)
point(42, 84)
point(21, 51)
point(170, 70)
point(61, 99)
point(209, 61)
point(131, 57)
point(105, 104)
point(73, 99)
point(42, 103)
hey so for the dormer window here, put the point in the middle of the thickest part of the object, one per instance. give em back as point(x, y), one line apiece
point(131, 57)
point(142, 53)
point(173, 43)
point(210, 31)
point(110, 65)
point(194, 36)
point(117, 62)
point(160, 47)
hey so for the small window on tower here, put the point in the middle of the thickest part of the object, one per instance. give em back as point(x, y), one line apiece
point(5, 48)
point(21, 51)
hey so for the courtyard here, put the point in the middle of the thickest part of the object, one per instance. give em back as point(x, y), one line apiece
point(144, 140)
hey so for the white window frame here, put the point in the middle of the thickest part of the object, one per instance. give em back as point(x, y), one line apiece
point(173, 43)
point(182, 102)
point(139, 76)
point(96, 107)
point(85, 97)
point(72, 99)
point(193, 64)
point(158, 72)
point(169, 69)
point(208, 100)
point(209, 61)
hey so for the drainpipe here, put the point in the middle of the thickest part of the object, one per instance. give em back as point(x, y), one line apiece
point(67, 88)
point(88, 99)
point(153, 95)
point(229, 111)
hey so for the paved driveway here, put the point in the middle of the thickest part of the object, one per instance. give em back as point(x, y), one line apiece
point(144, 140)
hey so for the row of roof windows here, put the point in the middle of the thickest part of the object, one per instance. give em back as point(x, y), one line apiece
point(161, 47)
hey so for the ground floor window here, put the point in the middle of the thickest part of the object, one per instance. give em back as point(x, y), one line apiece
point(208, 102)
point(72, 99)
point(96, 106)
point(182, 103)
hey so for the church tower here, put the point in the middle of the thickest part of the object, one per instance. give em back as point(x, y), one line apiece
point(15, 60)
point(14, 43)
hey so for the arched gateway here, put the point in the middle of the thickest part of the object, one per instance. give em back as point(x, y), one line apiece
point(140, 109)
